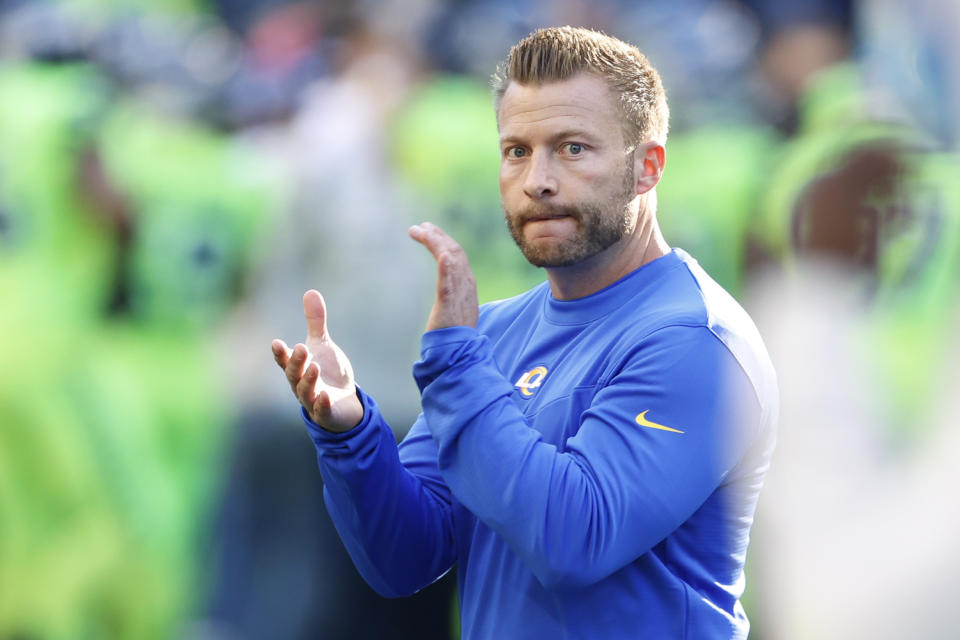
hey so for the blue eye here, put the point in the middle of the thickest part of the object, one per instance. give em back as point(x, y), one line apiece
point(574, 148)
point(516, 152)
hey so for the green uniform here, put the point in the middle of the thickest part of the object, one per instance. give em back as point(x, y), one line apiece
point(58, 533)
point(112, 424)
point(900, 202)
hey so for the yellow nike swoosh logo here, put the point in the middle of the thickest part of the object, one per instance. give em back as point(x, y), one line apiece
point(643, 422)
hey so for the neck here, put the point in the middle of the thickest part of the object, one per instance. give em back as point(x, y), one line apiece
point(643, 244)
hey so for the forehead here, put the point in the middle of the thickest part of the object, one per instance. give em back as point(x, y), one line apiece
point(583, 102)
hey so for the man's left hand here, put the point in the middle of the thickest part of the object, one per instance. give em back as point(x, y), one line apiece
point(456, 302)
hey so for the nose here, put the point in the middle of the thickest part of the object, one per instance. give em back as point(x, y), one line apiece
point(540, 181)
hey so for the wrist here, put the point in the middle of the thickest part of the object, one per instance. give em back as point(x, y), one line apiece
point(346, 414)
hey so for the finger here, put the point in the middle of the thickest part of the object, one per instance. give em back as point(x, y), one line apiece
point(322, 407)
point(296, 364)
point(451, 259)
point(315, 310)
point(281, 353)
point(434, 239)
point(307, 385)
point(446, 283)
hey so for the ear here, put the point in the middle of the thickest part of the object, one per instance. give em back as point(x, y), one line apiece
point(649, 160)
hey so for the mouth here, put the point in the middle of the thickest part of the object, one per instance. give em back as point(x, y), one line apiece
point(546, 216)
point(546, 226)
point(549, 214)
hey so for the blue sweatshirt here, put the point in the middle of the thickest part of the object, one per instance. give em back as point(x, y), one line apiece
point(591, 466)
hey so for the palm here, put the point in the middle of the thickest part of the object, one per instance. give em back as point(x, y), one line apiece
point(336, 373)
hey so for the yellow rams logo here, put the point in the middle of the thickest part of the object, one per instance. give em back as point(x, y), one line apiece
point(532, 379)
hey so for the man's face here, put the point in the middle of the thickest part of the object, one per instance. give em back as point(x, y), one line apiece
point(566, 180)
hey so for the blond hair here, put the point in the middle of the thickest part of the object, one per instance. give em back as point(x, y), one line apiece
point(559, 53)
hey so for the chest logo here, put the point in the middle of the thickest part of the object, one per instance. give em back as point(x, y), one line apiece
point(532, 379)
point(643, 422)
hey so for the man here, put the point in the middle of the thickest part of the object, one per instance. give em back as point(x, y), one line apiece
point(590, 452)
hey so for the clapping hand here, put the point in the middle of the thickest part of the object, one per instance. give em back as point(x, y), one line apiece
point(456, 301)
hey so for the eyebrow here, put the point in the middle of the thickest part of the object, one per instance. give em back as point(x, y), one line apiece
point(557, 137)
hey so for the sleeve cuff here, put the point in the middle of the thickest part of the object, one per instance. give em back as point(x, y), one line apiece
point(443, 349)
point(447, 335)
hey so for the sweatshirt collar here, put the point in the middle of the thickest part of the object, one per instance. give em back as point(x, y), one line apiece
point(611, 297)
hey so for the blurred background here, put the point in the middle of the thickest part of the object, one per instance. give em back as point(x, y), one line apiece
point(174, 175)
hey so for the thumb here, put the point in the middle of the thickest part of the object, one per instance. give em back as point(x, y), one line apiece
point(315, 310)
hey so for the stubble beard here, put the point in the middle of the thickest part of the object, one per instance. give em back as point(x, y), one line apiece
point(599, 226)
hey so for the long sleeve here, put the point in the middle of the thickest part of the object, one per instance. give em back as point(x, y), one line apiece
point(390, 507)
point(578, 511)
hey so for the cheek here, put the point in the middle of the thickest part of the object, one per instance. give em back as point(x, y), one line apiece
point(603, 178)
point(510, 178)
point(582, 180)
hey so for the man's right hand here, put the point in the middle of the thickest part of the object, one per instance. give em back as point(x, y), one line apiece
point(320, 373)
